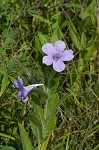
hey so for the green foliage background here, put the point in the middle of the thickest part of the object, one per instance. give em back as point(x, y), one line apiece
point(64, 114)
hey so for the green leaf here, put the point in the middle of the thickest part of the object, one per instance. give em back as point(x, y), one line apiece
point(36, 126)
point(6, 147)
point(92, 41)
point(83, 40)
point(36, 104)
point(57, 20)
point(51, 124)
point(74, 35)
point(56, 35)
point(51, 105)
point(2, 71)
point(42, 93)
point(72, 5)
point(90, 10)
point(86, 23)
point(5, 83)
point(26, 143)
point(38, 45)
point(45, 143)
point(42, 38)
point(40, 18)
point(96, 147)
point(90, 51)
point(54, 82)
point(7, 136)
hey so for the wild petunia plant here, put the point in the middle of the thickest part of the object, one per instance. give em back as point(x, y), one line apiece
point(65, 113)
point(56, 55)
point(23, 90)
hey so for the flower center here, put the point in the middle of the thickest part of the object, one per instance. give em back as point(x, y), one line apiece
point(56, 56)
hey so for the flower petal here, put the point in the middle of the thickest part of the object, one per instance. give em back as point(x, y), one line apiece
point(59, 45)
point(58, 66)
point(48, 49)
point(35, 85)
point(19, 81)
point(15, 84)
point(47, 60)
point(22, 94)
point(30, 87)
point(67, 55)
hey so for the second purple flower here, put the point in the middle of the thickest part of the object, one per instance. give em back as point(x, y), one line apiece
point(23, 90)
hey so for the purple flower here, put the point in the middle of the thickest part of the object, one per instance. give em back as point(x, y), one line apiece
point(56, 55)
point(23, 91)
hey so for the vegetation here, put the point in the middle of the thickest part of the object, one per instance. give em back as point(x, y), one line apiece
point(64, 113)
